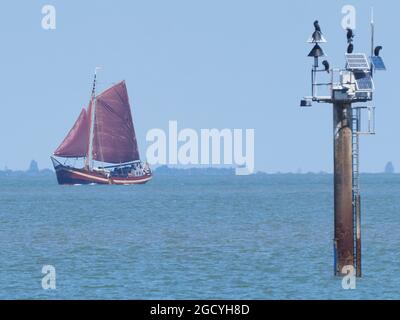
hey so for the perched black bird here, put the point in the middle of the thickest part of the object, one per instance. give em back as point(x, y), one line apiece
point(350, 48)
point(350, 35)
point(326, 65)
point(317, 36)
point(377, 50)
point(316, 26)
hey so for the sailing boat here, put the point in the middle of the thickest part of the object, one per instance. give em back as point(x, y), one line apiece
point(103, 132)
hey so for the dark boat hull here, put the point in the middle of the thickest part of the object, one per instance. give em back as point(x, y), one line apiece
point(73, 176)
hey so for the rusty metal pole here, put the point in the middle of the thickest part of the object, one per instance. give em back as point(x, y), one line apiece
point(343, 190)
point(358, 237)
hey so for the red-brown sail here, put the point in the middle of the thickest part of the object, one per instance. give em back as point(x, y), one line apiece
point(114, 139)
point(75, 143)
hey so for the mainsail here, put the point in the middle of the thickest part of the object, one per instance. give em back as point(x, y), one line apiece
point(75, 144)
point(114, 138)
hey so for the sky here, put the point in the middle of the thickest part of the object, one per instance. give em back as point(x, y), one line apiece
point(206, 64)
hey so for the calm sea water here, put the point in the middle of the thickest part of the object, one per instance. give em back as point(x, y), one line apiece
point(227, 237)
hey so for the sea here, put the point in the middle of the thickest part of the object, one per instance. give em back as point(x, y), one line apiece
point(192, 237)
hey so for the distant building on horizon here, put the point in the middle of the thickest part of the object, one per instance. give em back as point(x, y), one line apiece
point(32, 171)
point(389, 168)
point(33, 167)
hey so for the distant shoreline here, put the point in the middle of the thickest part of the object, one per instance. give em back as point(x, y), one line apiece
point(33, 171)
point(168, 171)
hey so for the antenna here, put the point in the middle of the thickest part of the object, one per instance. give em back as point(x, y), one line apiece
point(95, 80)
point(372, 32)
point(89, 158)
point(348, 88)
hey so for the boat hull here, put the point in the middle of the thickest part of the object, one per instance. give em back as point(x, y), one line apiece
point(72, 176)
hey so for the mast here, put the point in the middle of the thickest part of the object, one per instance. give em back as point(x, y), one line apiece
point(372, 40)
point(372, 32)
point(89, 159)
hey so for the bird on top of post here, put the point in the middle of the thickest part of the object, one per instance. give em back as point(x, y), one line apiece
point(350, 35)
point(325, 63)
point(316, 26)
point(377, 51)
point(317, 35)
point(350, 48)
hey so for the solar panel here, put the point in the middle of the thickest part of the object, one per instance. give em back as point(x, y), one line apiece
point(364, 81)
point(378, 63)
point(363, 95)
point(357, 61)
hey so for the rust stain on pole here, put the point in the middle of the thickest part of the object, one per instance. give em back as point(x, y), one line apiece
point(343, 175)
point(358, 236)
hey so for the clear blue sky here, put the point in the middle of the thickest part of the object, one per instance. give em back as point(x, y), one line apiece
point(206, 64)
